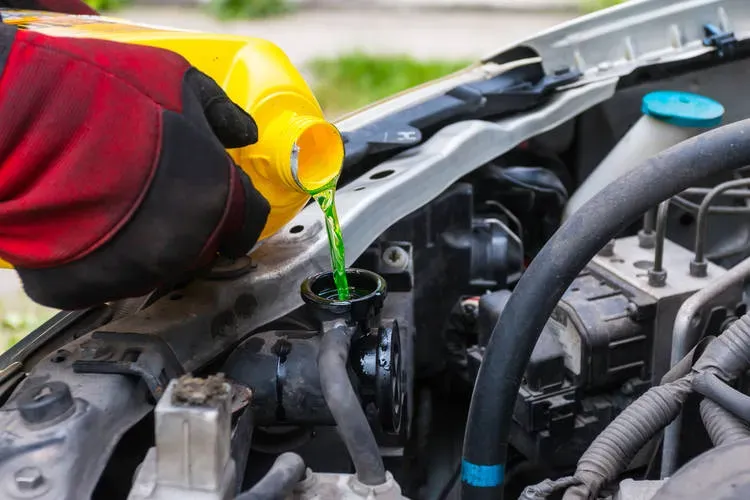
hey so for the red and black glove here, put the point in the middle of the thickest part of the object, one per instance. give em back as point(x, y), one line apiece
point(114, 179)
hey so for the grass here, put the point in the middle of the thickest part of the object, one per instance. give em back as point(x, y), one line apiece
point(353, 80)
point(223, 9)
point(594, 5)
point(249, 9)
point(107, 5)
point(18, 317)
point(15, 325)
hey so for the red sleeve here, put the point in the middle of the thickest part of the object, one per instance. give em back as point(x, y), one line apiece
point(64, 6)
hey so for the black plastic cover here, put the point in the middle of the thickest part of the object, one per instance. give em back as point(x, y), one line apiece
point(516, 90)
point(602, 342)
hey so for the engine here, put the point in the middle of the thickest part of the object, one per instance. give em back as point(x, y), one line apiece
point(549, 264)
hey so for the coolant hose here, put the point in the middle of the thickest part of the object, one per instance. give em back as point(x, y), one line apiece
point(552, 271)
point(279, 481)
point(346, 409)
point(722, 426)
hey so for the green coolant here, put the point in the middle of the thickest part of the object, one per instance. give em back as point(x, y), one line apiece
point(325, 199)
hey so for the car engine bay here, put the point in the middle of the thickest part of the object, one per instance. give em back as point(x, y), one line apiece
point(553, 249)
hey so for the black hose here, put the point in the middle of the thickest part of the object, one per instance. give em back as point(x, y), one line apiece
point(729, 398)
point(279, 481)
point(551, 272)
point(346, 409)
point(722, 426)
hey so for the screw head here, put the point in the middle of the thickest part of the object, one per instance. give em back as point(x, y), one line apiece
point(396, 257)
point(28, 478)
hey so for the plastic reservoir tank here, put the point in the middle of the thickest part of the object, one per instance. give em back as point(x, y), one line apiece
point(669, 117)
point(298, 152)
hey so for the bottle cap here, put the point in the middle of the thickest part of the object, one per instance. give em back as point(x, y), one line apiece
point(683, 109)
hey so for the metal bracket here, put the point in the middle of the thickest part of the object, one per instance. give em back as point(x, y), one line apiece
point(145, 356)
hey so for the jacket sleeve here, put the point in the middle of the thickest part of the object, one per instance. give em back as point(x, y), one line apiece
point(63, 6)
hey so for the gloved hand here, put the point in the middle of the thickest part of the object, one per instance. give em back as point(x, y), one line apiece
point(114, 179)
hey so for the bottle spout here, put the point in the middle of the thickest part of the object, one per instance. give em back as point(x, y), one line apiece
point(313, 154)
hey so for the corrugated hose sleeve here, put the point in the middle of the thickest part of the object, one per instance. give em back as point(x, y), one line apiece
point(616, 446)
point(722, 426)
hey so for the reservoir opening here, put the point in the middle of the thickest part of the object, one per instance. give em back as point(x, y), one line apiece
point(362, 284)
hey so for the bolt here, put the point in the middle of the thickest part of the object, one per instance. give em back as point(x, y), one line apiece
point(396, 257)
point(698, 269)
point(657, 278)
point(646, 239)
point(608, 250)
point(29, 478)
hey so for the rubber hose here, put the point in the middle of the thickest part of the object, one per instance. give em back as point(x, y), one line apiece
point(617, 445)
point(729, 398)
point(558, 263)
point(722, 426)
point(287, 470)
point(346, 409)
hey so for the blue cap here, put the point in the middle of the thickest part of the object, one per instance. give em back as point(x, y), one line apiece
point(683, 109)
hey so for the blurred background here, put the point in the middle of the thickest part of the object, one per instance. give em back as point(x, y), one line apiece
point(352, 52)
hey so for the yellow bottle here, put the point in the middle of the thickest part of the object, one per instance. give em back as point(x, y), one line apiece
point(298, 151)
